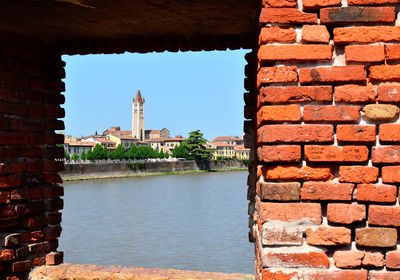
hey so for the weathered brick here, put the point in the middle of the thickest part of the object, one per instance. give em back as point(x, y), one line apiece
point(373, 259)
point(391, 174)
point(317, 52)
point(354, 94)
point(280, 191)
point(279, 3)
point(357, 14)
point(329, 236)
point(21, 266)
point(295, 134)
point(348, 259)
point(389, 132)
point(9, 181)
point(278, 234)
point(283, 153)
point(384, 215)
point(317, 4)
point(345, 213)
point(279, 74)
point(279, 113)
point(278, 275)
point(386, 154)
point(4, 197)
point(380, 112)
point(372, 2)
point(340, 274)
point(376, 193)
point(326, 191)
point(392, 52)
point(389, 92)
point(331, 113)
point(393, 259)
point(286, 15)
point(275, 34)
point(294, 94)
point(291, 212)
point(354, 73)
point(6, 255)
point(295, 173)
point(320, 153)
point(384, 275)
point(366, 34)
point(358, 174)
point(364, 54)
point(376, 237)
point(315, 34)
point(356, 133)
point(385, 73)
point(296, 260)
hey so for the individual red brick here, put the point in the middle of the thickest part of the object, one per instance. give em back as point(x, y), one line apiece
point(294, 94)
point(389, 92)
point(316, 153)
point(15, 167)
point(364, 54)
point(317, 4)
point(273, 234)
point(386, 154)
point(357, 14)
point(355, 73)
point(286, 15)
point(296, 260)
point(356, 133)
point(38, 261)
point(284, 153)
point(6, 255)
point(275, 34)
point(54, 258)
point(389, 132)
point(340, 274)
point(392, 52)
point(4, 197)
point(346, 213)
point(310, 52)
point(366, 34)
point(373, 259)
point(393, 259)
point(278, 275)
point(9, 181)
point(329, 236)
point(384, 215)
point(279, 113)
point(355, 94)
point(326, 191)
point(290, 212)
point(295, 134)
point(384, 275)
point(331, 113)
point(279, 3)
point(372, 2)
point(294, 173)
point(376, 237)
point(391, 174)
point(376, 193)
point(384, 73)
point(348, 259)
point(279, 74)
point(21, 266)
point(358, 174)
point(280, 191)
point(315, 34)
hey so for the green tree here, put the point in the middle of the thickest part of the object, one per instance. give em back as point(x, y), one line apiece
point(89, 155)
point(161, 154)
point(66, 155)
point(75, 157)
point(83, 156)
point(99, 152)
point(131, 153)
point(196, 146)
point(180, 151)
point(118, 153)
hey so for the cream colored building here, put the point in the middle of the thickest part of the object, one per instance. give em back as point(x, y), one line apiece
point(123, 139)
point(138, 117)
point(241, 152)
point(221, 150)
point(166, 145)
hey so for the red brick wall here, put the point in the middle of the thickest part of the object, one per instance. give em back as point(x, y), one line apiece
point(328, 140)
point(30, 86)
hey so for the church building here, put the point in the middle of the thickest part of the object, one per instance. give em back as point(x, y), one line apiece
point(138, 117)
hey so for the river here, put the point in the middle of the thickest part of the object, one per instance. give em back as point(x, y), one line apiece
point(191, 222)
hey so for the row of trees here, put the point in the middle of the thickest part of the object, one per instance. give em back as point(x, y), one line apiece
point(193, 148)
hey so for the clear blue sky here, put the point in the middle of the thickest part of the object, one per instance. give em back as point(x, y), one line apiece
point(183, 92)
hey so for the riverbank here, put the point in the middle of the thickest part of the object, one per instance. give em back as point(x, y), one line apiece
point(89, 272)
point(110, 170)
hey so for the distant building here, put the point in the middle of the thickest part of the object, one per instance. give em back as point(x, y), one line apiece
point(138, 117)
point(234, 140)
point(121, 137)
point(241, 152)
point(166, 145)
point(221, 150)
point(157, 134)
point(78, 147)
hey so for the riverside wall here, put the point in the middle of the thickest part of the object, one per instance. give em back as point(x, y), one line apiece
point(76, 171)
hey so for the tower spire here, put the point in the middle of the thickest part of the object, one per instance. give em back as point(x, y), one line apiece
point(138, 98)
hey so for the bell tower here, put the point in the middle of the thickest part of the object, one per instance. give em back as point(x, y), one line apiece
point(138, 116)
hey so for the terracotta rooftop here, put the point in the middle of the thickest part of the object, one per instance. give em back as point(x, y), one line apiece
point(138, 98)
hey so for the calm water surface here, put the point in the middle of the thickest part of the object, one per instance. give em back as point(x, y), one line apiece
point(193, 222)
